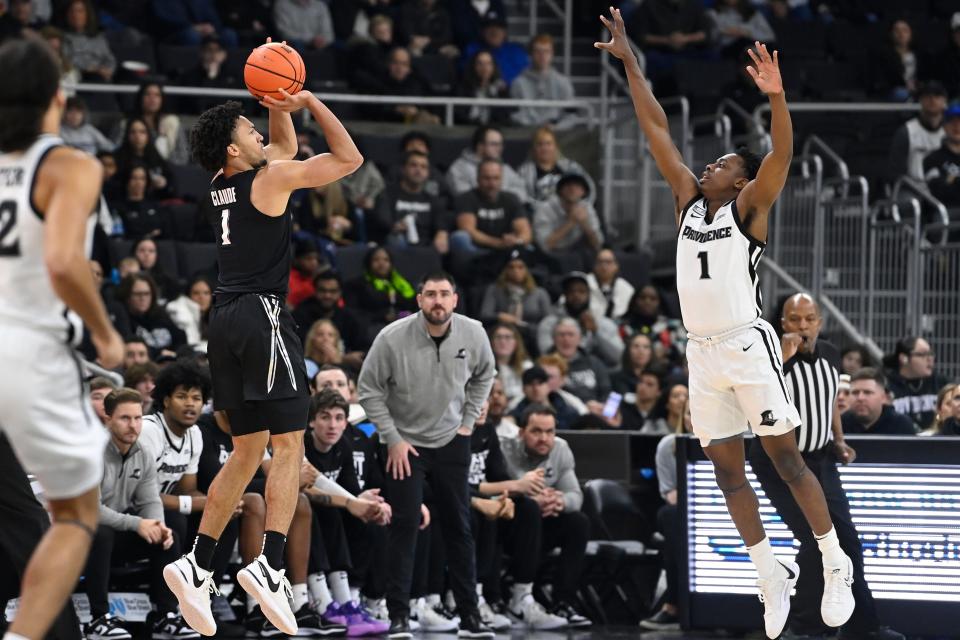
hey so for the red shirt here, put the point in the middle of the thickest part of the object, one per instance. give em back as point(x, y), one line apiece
point(300, 288)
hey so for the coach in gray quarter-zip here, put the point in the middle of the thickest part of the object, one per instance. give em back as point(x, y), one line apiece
point(423, 383)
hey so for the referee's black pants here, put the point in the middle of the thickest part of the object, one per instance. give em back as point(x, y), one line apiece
point(446, 467)
point(22, 523)
point(805, 612)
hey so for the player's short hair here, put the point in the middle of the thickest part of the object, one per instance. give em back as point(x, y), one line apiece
point(437, 276)
point(324, 400)
point(117, 397)
point(135, 374)
point(414, 135)
point(415, 154)
point(751, 161)
point(554, 360)
point(182, 373)
point(536, 409)
point(212, 133)
point(480, 134)
point(33, 79)
point(100, 382)
point(870, 373)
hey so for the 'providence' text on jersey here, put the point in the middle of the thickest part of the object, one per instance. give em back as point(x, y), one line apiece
point(716, 270)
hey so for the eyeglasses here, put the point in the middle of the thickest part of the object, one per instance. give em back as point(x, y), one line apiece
point(923, 354)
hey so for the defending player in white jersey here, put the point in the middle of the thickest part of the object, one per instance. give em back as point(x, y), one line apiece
point(48, 192)
point(736, 368)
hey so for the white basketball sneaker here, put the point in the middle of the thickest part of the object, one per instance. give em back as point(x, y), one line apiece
point(192, 586)
point(775, 596)
point(272, 591)
point(837, 604)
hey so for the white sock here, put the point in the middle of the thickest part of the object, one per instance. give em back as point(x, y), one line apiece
point(317, 583)
point(519, 591)
point(299, 596)
point(432, 599)
point(354, 594)
point(833, 555)
point(479, 592)
point(339, 586)
point(251, 603)
point(14, 636)
point(761, 554)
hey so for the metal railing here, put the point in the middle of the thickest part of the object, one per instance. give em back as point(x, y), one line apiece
point(565, 13)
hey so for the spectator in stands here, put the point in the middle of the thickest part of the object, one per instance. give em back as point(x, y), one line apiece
point(55, 37)
point(401, 79)
point(941, 168)
point(409, 216)
point(497, 412)
point(100, 388)
point(843, 393)
point(137, 145)
point(945, 63)
point(563, 524)
point(210, 72)
point(557, 369)
point(645, 315)
point(511, 57)
point(147, 318)
point(381, 295)
point(142, 379)
point(251, 20)
point(150, 106)
point(115, 310)
point(84, 45)
point(637, 357)
point(919, 136)
point(948, 410)
point(644, 413)
point(77, 132)
point(870, 412)
point(673, 402)
point(609, 293)
point(547, 165)
point(667, 30)
point(131, 525)
point(191, 311)
point(855, 358)
point(511, 357)
point(187, 22)
point(896, 66)
point(304, 23)
point(436, 184)
point(369, 55)
point(327, 304)
point(130, 265)
point(323, 215)
point(362, 187)
point(307, 263)
point(111, 190)
point(19, 20)
point(515, 298)
point(738, 25)
point(540, 81)
point(142, 216)
point(486, 144)
point(489, 218)
point(135, 351)
point(567, 222)
point(912, 382)
point(587, 376)
point(323, 345)
point(145, 252)
point(427, 28)
point(481, 79)
point(598, 334)
point(468, 18)
point(536, 391)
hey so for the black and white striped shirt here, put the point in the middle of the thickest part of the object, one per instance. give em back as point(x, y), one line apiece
point(812, 380)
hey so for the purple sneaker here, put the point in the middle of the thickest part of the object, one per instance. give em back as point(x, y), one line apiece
point(360, 622)
point(335, 614)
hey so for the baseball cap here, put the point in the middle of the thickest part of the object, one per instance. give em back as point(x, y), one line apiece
point(953, 111)
point(493, 19)
point(932, 88)
point(574, 178)
point(574, 276)
point(535, 374)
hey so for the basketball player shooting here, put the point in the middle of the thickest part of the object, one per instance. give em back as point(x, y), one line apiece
point(256, 359)
point(736, 367)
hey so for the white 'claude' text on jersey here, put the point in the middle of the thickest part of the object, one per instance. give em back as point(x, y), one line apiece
point(716, 270)
point(27, 298)
point(176, 456)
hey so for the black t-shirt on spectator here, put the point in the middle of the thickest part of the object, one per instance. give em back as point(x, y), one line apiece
point(494, 218)
point(366, 463)
point(217, 447)
point(395, 203)
point(336, 464)
point(889, 423)
point(144, 218)
point(486, 459)
point(916, 398)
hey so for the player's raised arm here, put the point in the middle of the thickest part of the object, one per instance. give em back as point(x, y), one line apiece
point(760, 194)
point(652, 119)
point(283, 137)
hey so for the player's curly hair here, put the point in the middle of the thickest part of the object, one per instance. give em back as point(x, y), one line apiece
point(751, 161)
point(212, 133)
point(182, 373)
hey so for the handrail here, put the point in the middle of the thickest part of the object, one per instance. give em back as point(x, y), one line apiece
point(686, 136)
point(836, 107)
point(564, 14)
point(722, 127)
point(818, 142)
point(919, 190)
point(747, 117)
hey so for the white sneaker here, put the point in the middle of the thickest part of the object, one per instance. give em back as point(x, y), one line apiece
point(192, 586)
point(775, 596)
point(378, 609)
point(272, 591)
point(837, 604)
point(433, 618)
point(489, 617)
point(534, 616)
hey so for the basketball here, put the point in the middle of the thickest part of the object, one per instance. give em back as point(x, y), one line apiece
point(271, 67)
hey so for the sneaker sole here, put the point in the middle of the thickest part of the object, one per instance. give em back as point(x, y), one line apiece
point(198, 619)
point(401, 635)
point(579, 625)
point(465, 633)
point(97, 636)
point(170, 636)
point(271, 611)
point(316, 632)
point(655, 626)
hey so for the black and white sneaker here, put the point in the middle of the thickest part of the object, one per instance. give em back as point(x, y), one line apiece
point(471, 626)
point(192, 586)
point(662, 620)
point(399, 628)
point(311, 625)
point(574, 619)
point(106, 627)
point(271, 590)
point(172, 626)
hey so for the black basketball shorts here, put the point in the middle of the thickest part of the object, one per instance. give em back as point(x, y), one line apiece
point(257, 365)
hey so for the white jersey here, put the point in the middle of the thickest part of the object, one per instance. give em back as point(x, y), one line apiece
point(27, 298)
point(716, 270)
point(176, 456)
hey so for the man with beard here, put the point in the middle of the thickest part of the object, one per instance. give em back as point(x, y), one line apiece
point(599, 334)
point(423, 384)
point(869, 412)
point(326, 304)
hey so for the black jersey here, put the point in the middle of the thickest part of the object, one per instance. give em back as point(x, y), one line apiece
point(253, 249)
point(337, 463)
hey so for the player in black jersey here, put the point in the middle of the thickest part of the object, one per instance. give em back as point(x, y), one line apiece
point(256, 359)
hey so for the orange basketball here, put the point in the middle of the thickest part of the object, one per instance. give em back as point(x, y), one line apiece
point(271, 67)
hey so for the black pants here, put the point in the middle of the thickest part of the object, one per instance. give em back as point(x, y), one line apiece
point(805, 613)
point(367, 543)
point(22, 523)
point(668, 523)
point(522, 539)
point(570, 531)
point(113, 548)
point(185, 528)
point(329, 550)
point(446, 467)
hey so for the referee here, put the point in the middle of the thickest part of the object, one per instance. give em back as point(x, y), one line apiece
point(423, 384)
point(812, 372)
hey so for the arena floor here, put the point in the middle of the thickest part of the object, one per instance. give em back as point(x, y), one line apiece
point(598, 633)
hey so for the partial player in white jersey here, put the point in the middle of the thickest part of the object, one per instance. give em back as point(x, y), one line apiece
point(47, 194)
point(736, 368)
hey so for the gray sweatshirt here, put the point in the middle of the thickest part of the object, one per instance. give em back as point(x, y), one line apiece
point(417, 391)
point(559, 468)
point(462, 176)
point(129, 485)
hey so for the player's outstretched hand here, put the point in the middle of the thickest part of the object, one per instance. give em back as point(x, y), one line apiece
point(290, 103)
point(765, 70)
point(619, 45)
point(109, 348)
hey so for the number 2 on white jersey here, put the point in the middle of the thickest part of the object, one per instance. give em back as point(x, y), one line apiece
point(225, 226)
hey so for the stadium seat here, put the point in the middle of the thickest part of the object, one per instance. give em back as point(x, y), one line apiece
point(193, 182)
point(437, 70)
point(196, 257)
point(635, 267)
point(322, 68)
point(184, 219)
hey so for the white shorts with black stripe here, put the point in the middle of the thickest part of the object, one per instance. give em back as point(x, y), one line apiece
point(46, 414)
point(736, 384)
